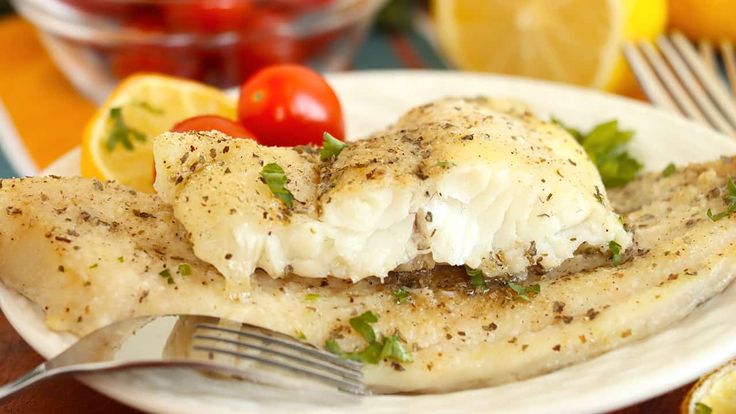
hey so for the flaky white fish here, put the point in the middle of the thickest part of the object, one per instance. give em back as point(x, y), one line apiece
point(471, 182)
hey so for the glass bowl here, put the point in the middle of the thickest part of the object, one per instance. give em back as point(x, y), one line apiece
point(221, 42)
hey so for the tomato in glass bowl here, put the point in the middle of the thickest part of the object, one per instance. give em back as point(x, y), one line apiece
point(221, 42)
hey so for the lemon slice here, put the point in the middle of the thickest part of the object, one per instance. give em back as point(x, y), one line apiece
point(572, 41)
point(715, 393)
point(117, 140)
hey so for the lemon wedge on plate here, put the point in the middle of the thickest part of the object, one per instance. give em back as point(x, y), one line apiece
point(714, 393)
point(117, 140)
point(572, 41)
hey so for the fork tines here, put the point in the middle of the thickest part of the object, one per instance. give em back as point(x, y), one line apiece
point(281, 352)
point(675, 76)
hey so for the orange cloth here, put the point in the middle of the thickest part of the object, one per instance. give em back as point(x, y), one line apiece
point(47, 111)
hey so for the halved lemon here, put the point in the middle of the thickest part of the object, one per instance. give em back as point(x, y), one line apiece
point(117, 140)
point(714, 393)
point(572, 41)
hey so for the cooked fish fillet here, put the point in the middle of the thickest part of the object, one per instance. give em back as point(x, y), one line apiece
point(470, 182)
point(89, 253)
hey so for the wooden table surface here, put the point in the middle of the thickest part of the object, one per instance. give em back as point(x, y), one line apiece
point(67, 395)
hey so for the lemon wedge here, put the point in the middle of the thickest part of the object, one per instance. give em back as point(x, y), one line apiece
point(117, 140)
point(713, 394)
point(573, 41)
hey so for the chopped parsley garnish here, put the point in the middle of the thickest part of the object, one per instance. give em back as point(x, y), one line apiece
point(166, 273)
point(362, 325)
point(300, 335)
point(185, 269)
point(311, 297)
point(445, 164)
point(477, 278)
point(669, 170)
point(605, 146)
point(94, 266)
point(615, 250)
point(522, 292)
point(148, 107)
point(331, 147)
point(377, 349)
point(701, 408)
point(121, 259)
point(729, 199)
point(120, 132)
point(401, 295)
point(392, 349)
point(275, 178)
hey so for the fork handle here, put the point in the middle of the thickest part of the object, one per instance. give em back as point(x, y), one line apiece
point(35, 375)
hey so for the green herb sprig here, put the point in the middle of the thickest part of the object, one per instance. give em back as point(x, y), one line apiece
point(275, 178)
point(477, 278)
point(669, 170)
point(605, 145)
point(331, 147)
point(166, 274)
point(615, 250)
point(120, 132)
point(729, 199)
point(701, 408)
point(522, 292)
point(377, 348)
point(401, 295)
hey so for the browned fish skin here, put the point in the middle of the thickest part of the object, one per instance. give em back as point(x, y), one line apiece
point(458, 338)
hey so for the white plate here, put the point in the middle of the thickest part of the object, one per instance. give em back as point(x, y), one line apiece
point(633, 373)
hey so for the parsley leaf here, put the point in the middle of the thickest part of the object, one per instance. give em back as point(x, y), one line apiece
point(445, 164)
point(522, 292)
point(392, 349)
point(615, 250)
point(311, 297)
point(401, 295)
point(275, 178)
point(477, 278)
point(376, 350)
point(605, 146)
point(121, 259)
point(729, 199)
point(185, 269)
point(701, 408)
point(166, 273)
point(669, 170)
point(120, 132)
point(331, 147)
point(361, 324)
point(300, 335)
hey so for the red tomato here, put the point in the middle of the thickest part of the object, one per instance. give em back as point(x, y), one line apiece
point(210, 122)
point(207, 15)
point(174, 60)
point(287, 105)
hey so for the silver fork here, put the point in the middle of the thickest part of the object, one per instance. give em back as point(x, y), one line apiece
point(209, 345)
point(675, 76)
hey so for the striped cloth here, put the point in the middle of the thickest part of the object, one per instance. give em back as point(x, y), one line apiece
point(42, 116)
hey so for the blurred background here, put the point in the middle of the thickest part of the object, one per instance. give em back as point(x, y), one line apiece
point(60, 58)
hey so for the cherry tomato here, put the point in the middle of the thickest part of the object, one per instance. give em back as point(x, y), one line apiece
point(177, 60)
point(287, 105)
point(210, 122)
point(207, 16)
